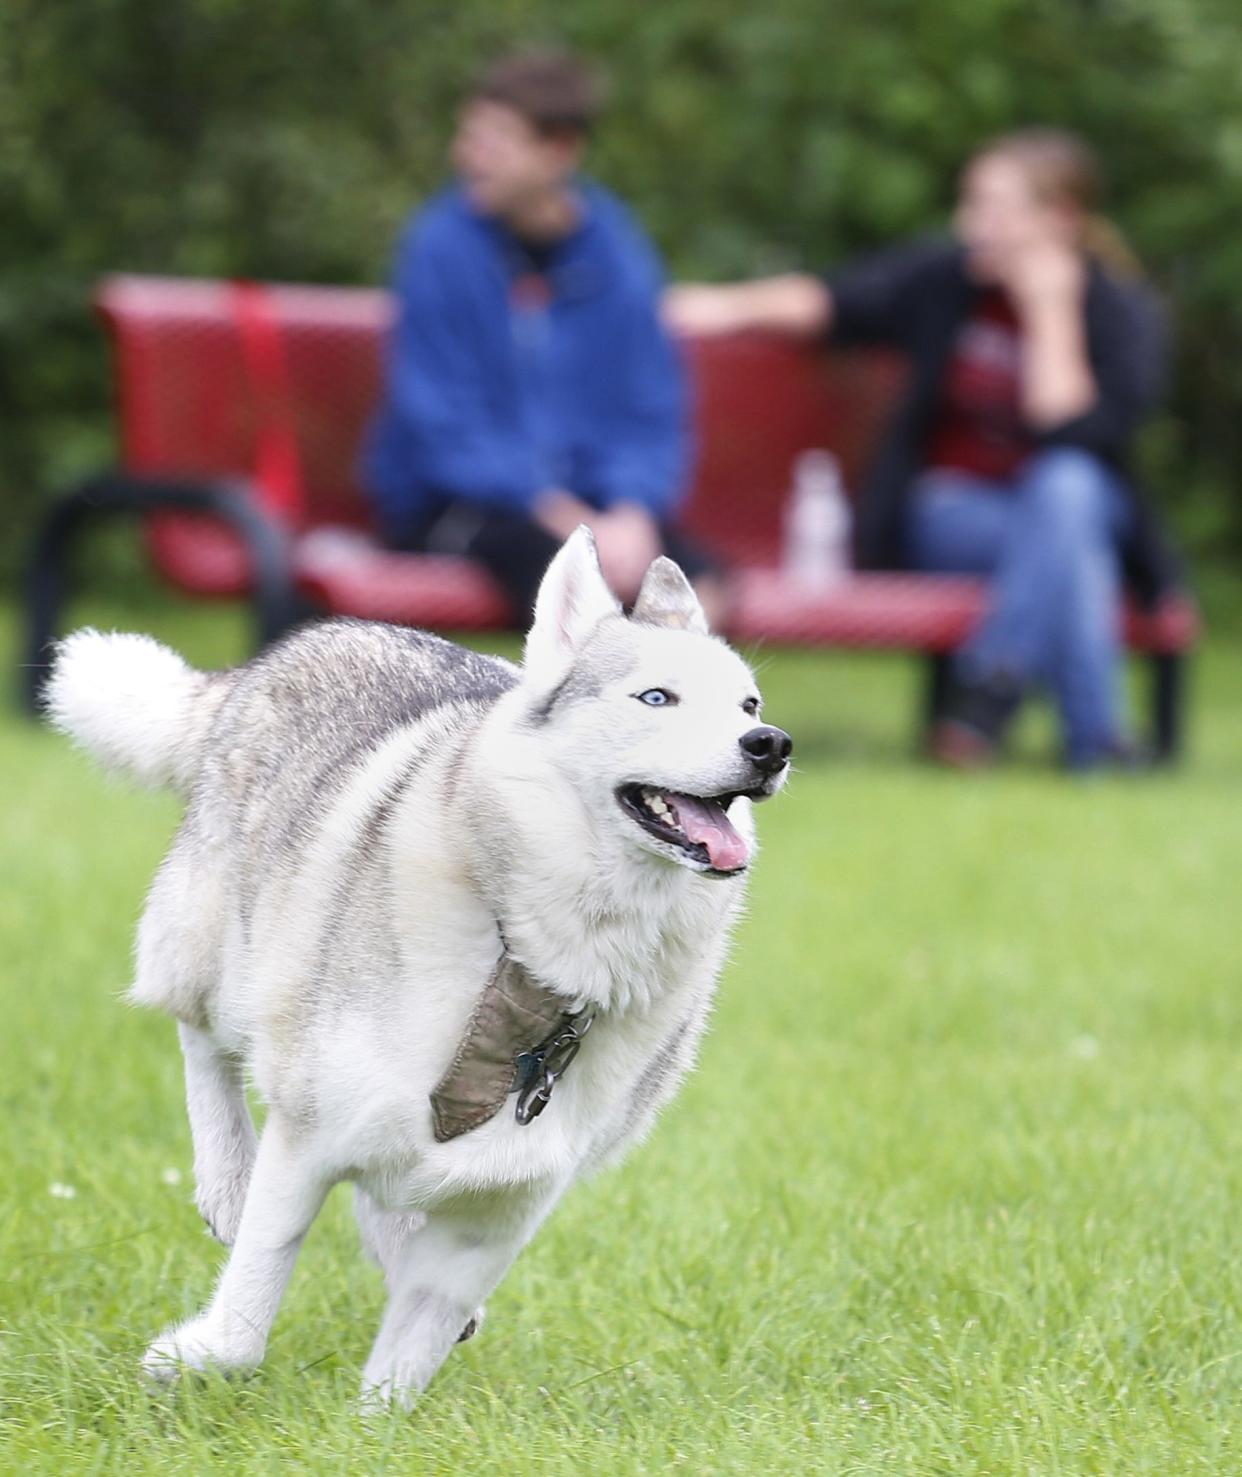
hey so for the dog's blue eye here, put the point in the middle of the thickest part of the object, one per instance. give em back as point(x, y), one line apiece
point(750, 707)
point(656, 697)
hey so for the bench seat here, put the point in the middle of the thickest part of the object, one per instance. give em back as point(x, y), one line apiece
point(241, 410)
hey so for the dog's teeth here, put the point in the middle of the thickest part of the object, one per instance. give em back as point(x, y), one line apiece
point(655, 803)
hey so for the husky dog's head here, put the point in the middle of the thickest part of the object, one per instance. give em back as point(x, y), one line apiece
point(654, 722)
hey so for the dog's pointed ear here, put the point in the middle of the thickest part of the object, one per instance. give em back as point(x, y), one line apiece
point(573, 598)
point(667, 598)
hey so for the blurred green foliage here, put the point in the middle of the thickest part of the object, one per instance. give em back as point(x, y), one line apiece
point(287, 140)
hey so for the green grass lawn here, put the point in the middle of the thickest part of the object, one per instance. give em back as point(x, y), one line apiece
point(955, 1190)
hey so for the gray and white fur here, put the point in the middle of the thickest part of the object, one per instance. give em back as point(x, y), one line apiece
point(372, 816)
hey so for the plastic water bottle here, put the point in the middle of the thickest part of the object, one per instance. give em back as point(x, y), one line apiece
point(817, 521)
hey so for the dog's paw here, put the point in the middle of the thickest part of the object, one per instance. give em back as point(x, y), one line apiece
point(201, 1347)
point(377, 1400)
point(473, 1327)
point(220, 1200)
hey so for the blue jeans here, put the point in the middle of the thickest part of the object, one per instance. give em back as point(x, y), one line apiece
point(1048, 539)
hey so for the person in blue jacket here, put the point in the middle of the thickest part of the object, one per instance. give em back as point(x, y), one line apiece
point(530, 385)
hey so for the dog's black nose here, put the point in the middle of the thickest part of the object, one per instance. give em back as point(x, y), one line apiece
point(768, 747)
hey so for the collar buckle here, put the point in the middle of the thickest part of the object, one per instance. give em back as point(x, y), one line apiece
point(539, 1069)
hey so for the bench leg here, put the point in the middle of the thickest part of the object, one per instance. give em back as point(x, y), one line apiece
point(1168, 704)
point(47, 570)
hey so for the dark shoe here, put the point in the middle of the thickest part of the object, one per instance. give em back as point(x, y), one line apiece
point(958, 746)
point(975, 719)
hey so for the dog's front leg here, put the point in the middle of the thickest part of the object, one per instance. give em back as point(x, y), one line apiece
point(287, 1188)
point(446, 1272)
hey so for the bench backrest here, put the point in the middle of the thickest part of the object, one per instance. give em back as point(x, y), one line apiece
point(192, 403)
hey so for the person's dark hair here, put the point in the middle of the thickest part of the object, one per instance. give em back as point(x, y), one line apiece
point(1062, 168)
point(555, 91)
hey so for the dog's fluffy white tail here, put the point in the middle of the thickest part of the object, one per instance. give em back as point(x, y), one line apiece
point(133, 704)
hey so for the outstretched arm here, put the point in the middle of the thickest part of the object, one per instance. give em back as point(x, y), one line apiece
point(797, 304)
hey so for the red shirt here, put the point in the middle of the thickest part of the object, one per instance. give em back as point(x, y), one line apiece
point(978, 425)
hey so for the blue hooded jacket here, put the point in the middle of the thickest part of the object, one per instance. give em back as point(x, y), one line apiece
point(498, 388)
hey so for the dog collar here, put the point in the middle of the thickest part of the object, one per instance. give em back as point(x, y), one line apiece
point(519, 1039)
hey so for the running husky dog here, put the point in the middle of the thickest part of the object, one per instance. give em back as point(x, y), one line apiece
point(409, 878)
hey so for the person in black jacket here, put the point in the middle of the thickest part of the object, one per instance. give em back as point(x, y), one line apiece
point(1036, 351)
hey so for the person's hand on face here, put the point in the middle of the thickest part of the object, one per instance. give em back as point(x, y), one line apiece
point(1016, 241)
point(1045, 274)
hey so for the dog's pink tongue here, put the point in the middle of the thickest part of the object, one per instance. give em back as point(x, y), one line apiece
point(705, 821)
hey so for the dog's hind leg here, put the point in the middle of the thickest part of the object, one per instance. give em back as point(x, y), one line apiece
point(444, 1272)
point(287, 1188)
point(222, 1130)
point(385, 1235)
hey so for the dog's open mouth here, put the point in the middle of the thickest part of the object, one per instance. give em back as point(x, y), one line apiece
point(698, 825)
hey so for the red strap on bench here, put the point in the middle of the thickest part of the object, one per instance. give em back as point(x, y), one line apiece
point(278, 462)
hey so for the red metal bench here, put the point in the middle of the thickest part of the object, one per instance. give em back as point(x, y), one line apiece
point(241, 411)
